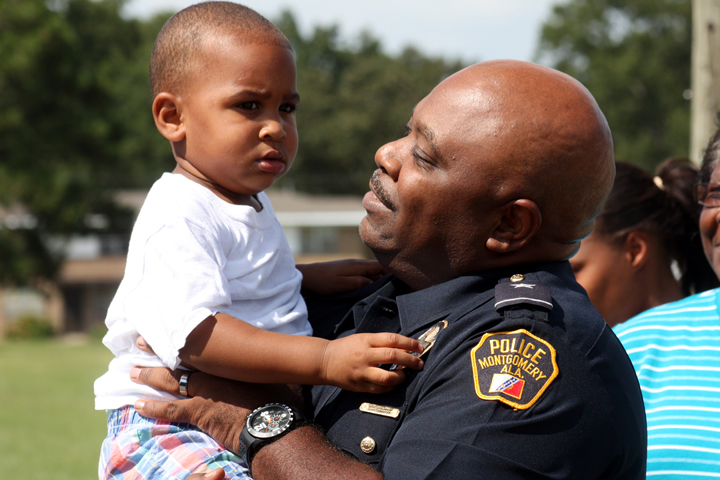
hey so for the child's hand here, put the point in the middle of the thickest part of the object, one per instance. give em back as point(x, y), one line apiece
point(339, 276)
point(352, 362)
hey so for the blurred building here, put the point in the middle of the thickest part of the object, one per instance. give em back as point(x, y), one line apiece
point(317, 228)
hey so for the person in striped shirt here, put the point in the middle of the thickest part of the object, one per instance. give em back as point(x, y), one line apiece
point(675, 349)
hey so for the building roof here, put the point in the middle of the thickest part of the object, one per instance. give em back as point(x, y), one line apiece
point(293, 209)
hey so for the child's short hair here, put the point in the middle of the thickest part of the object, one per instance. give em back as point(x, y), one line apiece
point(181, 39)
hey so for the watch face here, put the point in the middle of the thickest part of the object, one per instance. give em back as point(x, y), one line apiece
point(269, 421)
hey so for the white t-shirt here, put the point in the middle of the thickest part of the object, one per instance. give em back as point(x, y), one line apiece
point(193, 255)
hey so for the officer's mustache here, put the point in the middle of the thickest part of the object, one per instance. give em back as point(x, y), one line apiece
point(379, 190)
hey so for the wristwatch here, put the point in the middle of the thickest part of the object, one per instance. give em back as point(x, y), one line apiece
point(265, 425)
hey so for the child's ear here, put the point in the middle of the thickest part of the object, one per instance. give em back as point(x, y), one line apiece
point(520, 220)
point(166, 111)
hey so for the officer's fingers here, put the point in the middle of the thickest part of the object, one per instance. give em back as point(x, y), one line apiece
point(366, 268)
point(158, 377)
point(217, 474)
point(172, 411)
point(144, 346)
point(394, 340)
point(350, 283)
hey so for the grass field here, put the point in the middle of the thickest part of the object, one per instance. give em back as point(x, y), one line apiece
point(48, 427)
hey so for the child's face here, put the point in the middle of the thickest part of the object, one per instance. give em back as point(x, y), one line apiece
point(238, 112)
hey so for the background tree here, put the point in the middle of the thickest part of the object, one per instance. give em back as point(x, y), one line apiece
point(71, 93)
point(354, 99)
point(76, 127)
point(634, 56)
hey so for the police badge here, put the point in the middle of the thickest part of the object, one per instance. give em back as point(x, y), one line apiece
point(427, 340)
point(513, 367)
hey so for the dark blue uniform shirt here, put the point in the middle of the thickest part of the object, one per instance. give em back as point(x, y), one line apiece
point(537, 387)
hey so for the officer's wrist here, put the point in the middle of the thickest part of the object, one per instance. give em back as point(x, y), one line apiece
point(265, 425)
point(281, 449)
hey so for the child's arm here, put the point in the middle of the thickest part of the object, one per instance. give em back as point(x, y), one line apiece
point(340, 276)
point(227, 347)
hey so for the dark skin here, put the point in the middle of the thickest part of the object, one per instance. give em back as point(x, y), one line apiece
point(215, 398)
point(709, 231)
point(624, 279)
point(505, 162)
point(347, 275)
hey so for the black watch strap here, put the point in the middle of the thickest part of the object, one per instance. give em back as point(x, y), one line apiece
point(250, 445)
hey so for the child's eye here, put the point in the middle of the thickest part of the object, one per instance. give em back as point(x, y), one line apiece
point(248, 105)
point(288, 108)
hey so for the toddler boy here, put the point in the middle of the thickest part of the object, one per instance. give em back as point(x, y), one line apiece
point(207, 250)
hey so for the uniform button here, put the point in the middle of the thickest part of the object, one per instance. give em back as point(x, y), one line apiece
point(517, 278)
point(367, 445)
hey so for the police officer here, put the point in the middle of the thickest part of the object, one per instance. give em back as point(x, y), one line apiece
point(474, 213)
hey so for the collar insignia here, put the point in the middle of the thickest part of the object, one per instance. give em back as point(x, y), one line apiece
point(514, 368)
point(427, 340)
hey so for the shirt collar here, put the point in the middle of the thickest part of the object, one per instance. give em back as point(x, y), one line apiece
point(423, 307)
point(460, 295)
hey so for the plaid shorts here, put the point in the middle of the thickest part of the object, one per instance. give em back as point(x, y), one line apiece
point(140, 448)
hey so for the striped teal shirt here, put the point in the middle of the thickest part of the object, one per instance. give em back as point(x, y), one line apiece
point(675, 349)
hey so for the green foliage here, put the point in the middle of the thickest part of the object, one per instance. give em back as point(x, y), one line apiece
point(353, 100)
point(634, 56)
point(24, 256)
point(76, 125)
point(30, 327)
point(62, 137)
point(48, 425)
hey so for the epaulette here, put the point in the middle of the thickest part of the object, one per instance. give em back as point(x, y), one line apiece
point(522, 290)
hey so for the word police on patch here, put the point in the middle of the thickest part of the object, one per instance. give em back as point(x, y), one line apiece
point(513, 367)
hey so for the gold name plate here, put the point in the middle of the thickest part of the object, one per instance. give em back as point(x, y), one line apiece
point(380, 410)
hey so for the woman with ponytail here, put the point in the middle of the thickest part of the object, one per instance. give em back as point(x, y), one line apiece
point(644, 250)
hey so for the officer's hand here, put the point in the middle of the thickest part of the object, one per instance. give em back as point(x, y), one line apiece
point(144, 346)
point(352, 362)
point(218, 406)
point(339, 276)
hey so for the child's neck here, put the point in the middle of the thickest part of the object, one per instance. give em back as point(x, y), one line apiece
point(235, 199)
point(220, 192)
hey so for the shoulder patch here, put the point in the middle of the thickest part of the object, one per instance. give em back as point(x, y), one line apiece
point(513, 367)
point(507, 294)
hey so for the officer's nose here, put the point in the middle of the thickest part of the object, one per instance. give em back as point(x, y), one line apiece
point(388, 160)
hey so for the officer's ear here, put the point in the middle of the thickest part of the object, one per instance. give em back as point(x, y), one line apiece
point(520, 220)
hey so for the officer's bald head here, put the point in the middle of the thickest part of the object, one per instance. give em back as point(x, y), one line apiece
point(506, 162)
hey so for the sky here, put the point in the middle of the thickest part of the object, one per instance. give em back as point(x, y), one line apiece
point(470, 30)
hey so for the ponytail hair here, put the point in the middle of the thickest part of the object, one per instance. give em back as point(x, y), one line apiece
point(662, 206)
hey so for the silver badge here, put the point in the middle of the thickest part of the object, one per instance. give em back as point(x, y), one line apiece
point(427, 340)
